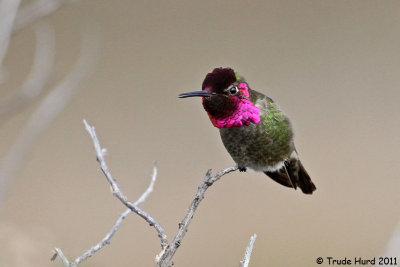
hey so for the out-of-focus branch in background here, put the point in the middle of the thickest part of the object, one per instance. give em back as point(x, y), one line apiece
point(13, 18)
point(393, 246)
point(51, 105)
point(38, 76)
point(36, 9)
point(8, 12)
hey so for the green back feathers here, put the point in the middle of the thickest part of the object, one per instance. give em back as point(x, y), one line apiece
point(277, 126)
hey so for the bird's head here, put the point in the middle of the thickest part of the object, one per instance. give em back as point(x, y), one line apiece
point(226, 99)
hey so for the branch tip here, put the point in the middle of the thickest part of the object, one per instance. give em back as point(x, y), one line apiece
point(54, 256)
point(60, 254)
point(249, 249)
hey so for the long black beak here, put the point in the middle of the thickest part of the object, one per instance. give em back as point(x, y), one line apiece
point(203, 93)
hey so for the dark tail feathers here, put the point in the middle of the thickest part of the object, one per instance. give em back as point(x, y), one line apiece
point(293, 174)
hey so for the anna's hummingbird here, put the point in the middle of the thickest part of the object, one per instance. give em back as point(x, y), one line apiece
point(253, 129)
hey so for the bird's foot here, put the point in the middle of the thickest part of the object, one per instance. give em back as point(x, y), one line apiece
point(242, 168)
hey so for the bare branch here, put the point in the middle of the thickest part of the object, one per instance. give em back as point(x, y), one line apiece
point(38, 76)
point(35, 10)
point(117, 192)
point(52, 104)
point(168, 250)
point(247, 254)
point(149, 189)
point(165, 257)
point(106, 240)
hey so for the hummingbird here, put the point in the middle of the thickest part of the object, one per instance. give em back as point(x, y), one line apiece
point(253, 129)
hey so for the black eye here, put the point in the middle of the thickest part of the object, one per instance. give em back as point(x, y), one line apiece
point(233, 90)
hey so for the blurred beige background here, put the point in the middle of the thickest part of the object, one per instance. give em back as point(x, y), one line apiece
point(334, 68)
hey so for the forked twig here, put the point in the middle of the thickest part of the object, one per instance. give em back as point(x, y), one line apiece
point(132, 207)
point(164, 259)
point(117, 192)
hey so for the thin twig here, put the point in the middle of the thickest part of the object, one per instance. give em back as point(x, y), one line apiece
point(59, 253)
point(150, 188)
point(117, 192)
point(247, 254)
point(165, 257)
point(106, 240)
